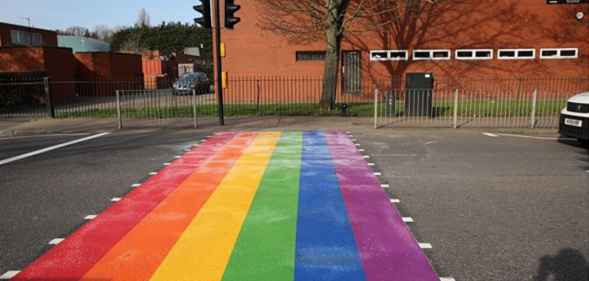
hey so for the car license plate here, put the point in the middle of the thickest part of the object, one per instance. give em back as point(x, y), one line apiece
point(573, 122)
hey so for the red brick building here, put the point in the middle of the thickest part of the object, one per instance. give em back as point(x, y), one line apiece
point(17, 35)
point(451, 39)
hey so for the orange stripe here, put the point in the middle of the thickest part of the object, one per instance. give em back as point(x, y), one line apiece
point(140, 252)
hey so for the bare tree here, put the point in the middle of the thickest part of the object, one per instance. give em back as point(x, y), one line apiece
point(76, 30)
point(143, 19)
point(330, 20)
point(103, 32)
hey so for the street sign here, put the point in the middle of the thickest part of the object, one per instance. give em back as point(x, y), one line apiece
point(557, 2)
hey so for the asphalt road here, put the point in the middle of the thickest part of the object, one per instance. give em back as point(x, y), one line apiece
point(493, 208)
point(47, 196)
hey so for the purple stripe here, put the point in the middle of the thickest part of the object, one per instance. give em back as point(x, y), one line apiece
point(387, 248)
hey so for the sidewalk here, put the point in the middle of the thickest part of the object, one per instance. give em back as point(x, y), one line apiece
point(39, 126)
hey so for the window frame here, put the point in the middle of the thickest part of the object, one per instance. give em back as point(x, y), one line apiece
point(517, 57)
point(474, 52)
point(389, 58)
point(431, 52)
point(324, 53)
point(558, 56)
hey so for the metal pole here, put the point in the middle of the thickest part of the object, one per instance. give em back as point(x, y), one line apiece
point(456, 109)
point(194, 108)
point(217, 12)
point(534, 99)
point(48, 103)
point(119, 117)
point(375, 108)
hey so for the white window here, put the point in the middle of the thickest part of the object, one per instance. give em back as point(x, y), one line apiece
point(431, 54)
point(569, 53)
point(388, 55)
point(517, 54)
point(24, 38)
point(474, 54)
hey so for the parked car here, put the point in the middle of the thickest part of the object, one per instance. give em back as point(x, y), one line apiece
point(574, 119)
point(192, 81)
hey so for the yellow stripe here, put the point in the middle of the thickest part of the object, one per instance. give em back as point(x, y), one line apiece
point(203, 250)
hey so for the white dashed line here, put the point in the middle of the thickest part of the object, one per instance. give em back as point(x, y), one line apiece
point(384, 186)
point(395, 201)
point(37, 152)
point(370, 164)
point(137, 184)
point(447, 279)
point(408, 219)
point(490, 135)
point(354, 140)
point(56, 241)
point(377, 174)
point(167, 164)
point(178, 157)
point(366, 157)
point(361, 150)
point(90, 217)
point(153, 173)
point(537, 138)
point(357, 144)
point(425, 245)
point(9, 274)
point(116, 199)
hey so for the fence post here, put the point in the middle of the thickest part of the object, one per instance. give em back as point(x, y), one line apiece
point(119, 117)
point(534, 100)
point(48, 103)
point(375, 108)
point(194, 108)
point(456, 109)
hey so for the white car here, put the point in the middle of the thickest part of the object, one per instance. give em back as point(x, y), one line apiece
point(574, 119)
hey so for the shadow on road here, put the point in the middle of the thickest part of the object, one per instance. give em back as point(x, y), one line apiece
point(568, 265)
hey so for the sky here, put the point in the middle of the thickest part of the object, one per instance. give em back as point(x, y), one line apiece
point(61, 14)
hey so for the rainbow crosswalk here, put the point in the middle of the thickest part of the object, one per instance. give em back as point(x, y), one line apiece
point(247, 206)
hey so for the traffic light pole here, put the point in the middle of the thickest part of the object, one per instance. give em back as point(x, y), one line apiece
point(219, 69)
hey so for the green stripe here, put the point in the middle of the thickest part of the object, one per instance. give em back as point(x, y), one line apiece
point(265, 248)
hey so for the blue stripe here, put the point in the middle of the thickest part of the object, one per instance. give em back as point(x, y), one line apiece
point(325, 245)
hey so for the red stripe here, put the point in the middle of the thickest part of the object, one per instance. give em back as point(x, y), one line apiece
point(75, 256)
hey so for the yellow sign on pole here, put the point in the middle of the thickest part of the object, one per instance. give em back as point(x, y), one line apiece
point(224, 79)
point(223, 53)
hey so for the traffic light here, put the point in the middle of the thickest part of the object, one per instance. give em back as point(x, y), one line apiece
point(230, 10)
point(205, 9)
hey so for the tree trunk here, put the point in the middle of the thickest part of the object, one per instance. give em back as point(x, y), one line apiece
point(331, 68)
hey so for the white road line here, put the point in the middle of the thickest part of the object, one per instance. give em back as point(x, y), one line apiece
point(361, 150)
point(425, 245)
point(116, 199)
point(407, 219)
point(354, 140)
point(366, 157)
point(395, 201)
point(537, 138)
point(137, 184)
point(9, 274)
point(178, 157)
point(370, 164)
point(377, 174)
point(41, 136)
point(153, 173)
point(357, 144)
point(27, 155)
point(447, 279)
point(167, 164)
point(90, 217)
point(56, 241)
point(384, 186)
point(490, 135)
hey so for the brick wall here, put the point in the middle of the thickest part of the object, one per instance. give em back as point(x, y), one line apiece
point(49, 37)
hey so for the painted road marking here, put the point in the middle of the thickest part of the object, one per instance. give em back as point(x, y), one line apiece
point(366, 157)
point(371, 164)
point(90, 217)
point(309, 197)
point(177, 157)
point(377, 174)
point(56, 241)
point(357, 144)
point(167, 164)
point(395, 201)
point(407, 219)
point(115, 199)
point(447, 279)
point(40, 151)
point(41, 136)
point(361, 150)
point(9, 274)
point(490, 135)
point(384, 185)
point(136, 184)
point(425, 245)
point(153, 173)
point(537, 138)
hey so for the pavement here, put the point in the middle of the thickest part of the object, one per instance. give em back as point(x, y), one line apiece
point(492, 206)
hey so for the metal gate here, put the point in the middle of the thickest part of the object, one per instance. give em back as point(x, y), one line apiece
point(351, 72)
